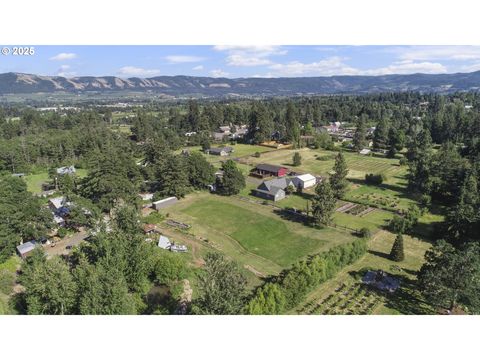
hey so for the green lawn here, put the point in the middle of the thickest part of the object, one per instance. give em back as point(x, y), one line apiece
point(255, 235)
point(35, 181)
point(267, 237)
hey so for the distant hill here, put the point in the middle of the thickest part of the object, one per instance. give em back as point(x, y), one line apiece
point(18, 83)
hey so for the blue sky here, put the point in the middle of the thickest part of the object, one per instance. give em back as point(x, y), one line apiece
point(243, 61)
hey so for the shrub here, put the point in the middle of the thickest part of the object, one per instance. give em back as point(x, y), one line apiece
point(292, 288)
point(375, 179)
point(403, 161)
point(257, 154)
point(365, 233)
point(62, 232)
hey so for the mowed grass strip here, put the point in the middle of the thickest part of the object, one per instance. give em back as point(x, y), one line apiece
point(259, 234)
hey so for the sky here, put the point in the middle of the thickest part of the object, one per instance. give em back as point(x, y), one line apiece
point(242, 61)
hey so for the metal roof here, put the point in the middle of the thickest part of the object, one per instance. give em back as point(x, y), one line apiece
point(270, 168)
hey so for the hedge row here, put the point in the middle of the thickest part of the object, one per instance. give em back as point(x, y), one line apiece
point(290, 289)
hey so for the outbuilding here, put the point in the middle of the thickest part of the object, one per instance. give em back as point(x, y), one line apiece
point(164, 203)
point(304, 181)
point(269, 170)
point(26, 248)
point(164, 242)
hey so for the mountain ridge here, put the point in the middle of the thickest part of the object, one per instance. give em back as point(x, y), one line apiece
point(178, 85)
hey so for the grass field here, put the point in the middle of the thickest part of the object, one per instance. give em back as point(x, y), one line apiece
point(320, 162)
point(327, 299)
point(35, 181)
point(254, 235)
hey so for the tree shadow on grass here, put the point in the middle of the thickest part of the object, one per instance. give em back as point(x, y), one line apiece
point(379, 254)
point(408, 299)
point(291, 215)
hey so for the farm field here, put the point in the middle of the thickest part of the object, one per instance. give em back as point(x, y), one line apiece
point(320, 162)
point(346, 295)
point(35, 181)
point(240, 150)
point(252, 234)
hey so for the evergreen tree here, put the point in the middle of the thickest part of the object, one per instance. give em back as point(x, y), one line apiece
point(323, 204)
point(232, 181)
point(200, 172)
point(221, 287)
point(360, 136)
point(292, 127)
point(397, 253)
point(260, 124)
point(172, 177)
point(297, 159)
point(420, 163)
point(193, 117)
point(380, 135)
point(338, 180)
point(396, 141)
point(451, 277)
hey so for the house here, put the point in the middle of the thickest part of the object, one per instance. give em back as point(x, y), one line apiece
point(146, 196)
point(364, 151)
point(161, 204)
point(240, 132)
point(220, 136)
point(149, 228)
point(66, 170)
point(222, 151)
point(164, 242)
point(274, 194)
point(304, 181)
point(264, 170)
point(273, 189)
point(26, 248)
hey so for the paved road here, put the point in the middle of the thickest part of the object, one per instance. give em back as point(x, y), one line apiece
point(61, 247)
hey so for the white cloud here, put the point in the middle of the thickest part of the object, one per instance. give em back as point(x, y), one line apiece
point(64, 71)
point(64, 56)
point(336, 65)
point(177, 59)
point(218, 73)
point(250, 55)
point(198, 68)
point(422, 53)
point(408, 67)
point(326, 67)
point(137, 71)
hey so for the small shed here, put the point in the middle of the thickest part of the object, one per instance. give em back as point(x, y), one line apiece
point(365, 151)
point(26, 248)
point(164, 203)
point(164, 242)
point(66, 170)
point(146, 196)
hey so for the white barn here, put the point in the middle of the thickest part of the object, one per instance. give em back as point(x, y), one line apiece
point(304, 181)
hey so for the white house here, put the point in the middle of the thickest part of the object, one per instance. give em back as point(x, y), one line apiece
point(304, 181)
